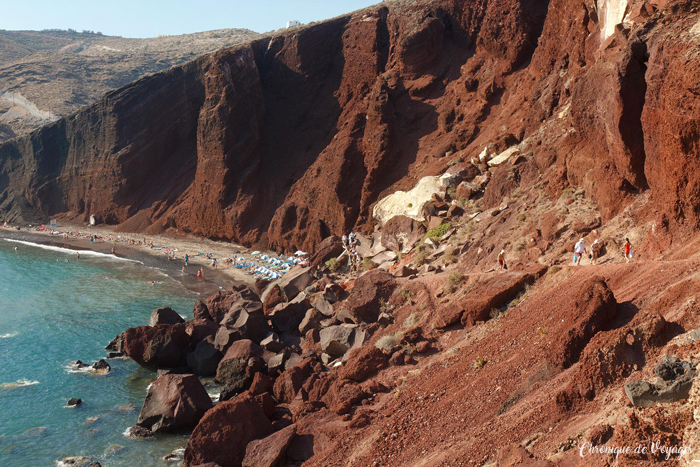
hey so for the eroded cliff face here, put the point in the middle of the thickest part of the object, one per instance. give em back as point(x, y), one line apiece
point(288, 139)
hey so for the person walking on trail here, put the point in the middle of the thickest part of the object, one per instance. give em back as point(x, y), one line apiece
point(628, 250)
point(579, 250)
point(187, 259)
point(502, 261)
point(595, 251)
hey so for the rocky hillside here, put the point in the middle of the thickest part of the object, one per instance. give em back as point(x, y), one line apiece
point(289, 138)
point(443, 131)
point(48, 74)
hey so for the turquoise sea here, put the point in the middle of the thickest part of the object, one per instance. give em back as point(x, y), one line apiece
point(53, 312)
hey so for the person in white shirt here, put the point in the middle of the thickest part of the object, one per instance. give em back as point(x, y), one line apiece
point(579, 250)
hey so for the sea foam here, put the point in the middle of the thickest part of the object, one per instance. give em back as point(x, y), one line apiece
point(72, 252)
point(18, 384)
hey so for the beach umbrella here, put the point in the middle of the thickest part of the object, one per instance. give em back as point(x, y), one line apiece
point(256, 252)
point(301, 253)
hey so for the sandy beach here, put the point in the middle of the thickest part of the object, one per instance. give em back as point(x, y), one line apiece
point(138, 247)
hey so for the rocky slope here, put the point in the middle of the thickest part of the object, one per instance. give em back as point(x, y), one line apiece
point(443, 131)
point(48, 74)
point(290, 138)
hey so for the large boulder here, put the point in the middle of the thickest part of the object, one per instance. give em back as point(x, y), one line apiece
point(174, 402)
point(330, 247)
point(200, 311)
point(312, 320)
point(594, 307)
point(370, 289)
point(674, 383)
point(160, 346)
point(336, 340)
point(223, 434)
point(401, 233)
point(363, 362)
point(234, 372)
point(274, 297)
point(270, 451)
point(291, 381)
point(287, 317)
point(296, 280)
point(199, 329)
point(246, 325)
point(165, 315)
point(205, 358)
point(237, 297)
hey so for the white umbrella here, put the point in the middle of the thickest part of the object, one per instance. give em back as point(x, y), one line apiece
point(301, 253)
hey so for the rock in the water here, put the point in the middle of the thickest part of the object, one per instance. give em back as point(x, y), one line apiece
point(174, 402)
point(116, 345)
point(75, 461)
point(165, 315)
point(101, 366)
point(160, 346)
point(205, 358)
point(216, 439)
point(139, 432)
point(72, 402)
point(268, 452)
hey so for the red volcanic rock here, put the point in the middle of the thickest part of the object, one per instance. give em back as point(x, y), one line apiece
point(591, 308)
point(199, 329)
point(270, 451)
point(160, 346)
point(369, 289)
point(200, 311)
point(246, 325)
point(515, 455)
point(261, 384)
point(174, 402)
point(288, 383)
point(274, 297)
point(401, 232)
point(363, 362)
point(204, 360)
point(165, 315)
point(224, 432)
point(238, 297)
point(494, 292)
point(330, 247)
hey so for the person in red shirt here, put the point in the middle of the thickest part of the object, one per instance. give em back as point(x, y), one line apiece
point(628, 249)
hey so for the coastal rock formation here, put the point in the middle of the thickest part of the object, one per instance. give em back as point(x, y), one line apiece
point(161, 346)
point(221, 437)
point(174, 402)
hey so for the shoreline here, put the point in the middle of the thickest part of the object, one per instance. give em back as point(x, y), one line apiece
point(157, 257)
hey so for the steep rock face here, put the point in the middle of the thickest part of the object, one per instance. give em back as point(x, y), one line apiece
point(291, 138)
point(286, 139)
